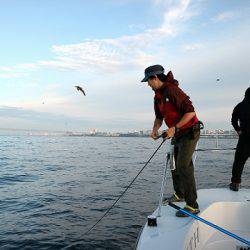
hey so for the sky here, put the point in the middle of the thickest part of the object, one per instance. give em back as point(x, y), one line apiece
point(48, 47)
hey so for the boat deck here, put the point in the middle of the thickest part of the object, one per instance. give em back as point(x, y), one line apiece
point(171, 231)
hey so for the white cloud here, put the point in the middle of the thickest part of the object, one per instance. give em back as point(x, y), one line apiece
point(177, 13)
point(124, 52)
point(10, 75)
point(53, 87)
point(219, 115)
point(50, 102)
point(224, 16)
point(136, 27)
point(193, 46)
point(20, 70)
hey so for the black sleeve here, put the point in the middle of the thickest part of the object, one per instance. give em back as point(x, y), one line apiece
point(235, 118)
point(158, 114)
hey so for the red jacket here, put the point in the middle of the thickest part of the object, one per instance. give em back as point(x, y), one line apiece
point(171, 103)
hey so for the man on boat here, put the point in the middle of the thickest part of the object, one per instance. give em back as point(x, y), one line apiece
point(175, 107)
point(241, 123)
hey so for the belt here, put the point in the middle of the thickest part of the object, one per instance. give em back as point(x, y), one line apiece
point(196, 127)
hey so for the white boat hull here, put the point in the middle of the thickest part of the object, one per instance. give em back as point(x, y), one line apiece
point(223, 207)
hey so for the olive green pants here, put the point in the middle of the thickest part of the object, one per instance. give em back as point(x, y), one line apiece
point(183, 175)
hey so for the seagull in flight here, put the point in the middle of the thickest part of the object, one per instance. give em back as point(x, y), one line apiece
point(80, 89)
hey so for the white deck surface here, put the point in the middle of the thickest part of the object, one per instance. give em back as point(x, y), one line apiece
point(219, 206)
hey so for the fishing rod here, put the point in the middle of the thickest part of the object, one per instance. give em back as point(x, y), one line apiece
point(209, 223)
point(163, 135)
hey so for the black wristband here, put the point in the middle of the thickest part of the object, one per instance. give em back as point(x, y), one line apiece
point(176, 129)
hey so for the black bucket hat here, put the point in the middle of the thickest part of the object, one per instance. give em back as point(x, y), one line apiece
point(152, 71)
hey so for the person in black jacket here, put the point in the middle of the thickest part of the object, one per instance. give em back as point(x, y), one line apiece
point(241, 123)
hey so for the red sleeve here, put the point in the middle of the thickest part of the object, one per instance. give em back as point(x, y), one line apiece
point(180, 100)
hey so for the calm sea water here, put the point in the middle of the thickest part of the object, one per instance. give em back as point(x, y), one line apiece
point(54, 188)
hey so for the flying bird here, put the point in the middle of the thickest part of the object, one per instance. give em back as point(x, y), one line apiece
point(80, 89)
point(218, 79)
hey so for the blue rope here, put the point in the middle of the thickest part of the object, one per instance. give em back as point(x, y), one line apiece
point(210, 224)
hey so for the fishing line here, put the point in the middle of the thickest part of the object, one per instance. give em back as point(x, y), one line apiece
point(124, 190)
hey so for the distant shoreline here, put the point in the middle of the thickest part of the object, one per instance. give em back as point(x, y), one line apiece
point(148, 136)
point(34, 132)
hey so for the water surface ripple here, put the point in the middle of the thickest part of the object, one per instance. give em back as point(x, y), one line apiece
point(53, 188)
